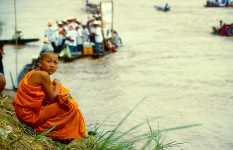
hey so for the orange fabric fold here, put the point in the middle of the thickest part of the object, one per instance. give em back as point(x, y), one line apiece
point(29, 103)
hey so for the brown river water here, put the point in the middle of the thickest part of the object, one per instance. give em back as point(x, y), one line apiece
point(170, 59)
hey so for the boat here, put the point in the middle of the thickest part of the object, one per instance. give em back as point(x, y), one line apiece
point(93, 8)
point(76, 55)
point(26, 68)
point(19, 41)
point(210, 5)
point(223, 3)
point(165, 8)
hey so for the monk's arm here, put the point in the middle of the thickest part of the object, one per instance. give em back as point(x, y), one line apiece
point(51, 94)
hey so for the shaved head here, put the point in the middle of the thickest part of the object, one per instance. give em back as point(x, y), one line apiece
point(46, 53)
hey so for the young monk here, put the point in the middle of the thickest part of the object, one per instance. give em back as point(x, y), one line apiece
point(42, 104)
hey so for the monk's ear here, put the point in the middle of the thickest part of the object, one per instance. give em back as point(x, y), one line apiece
point(39, 63)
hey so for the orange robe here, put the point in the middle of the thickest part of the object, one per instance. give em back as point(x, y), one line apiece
point(65, 114)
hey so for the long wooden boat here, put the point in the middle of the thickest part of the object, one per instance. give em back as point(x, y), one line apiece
point(26, 68)
point(93, 8)
point(162, 8)
point(217, 6)
point(93, 55)
point(19, 41)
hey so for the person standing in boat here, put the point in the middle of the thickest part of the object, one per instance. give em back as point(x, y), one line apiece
point(50, 33)
point(1, 57)
point(46, 45)
point(91, 29)
point(85, 33)
point(79, 39)
point(97, 33)
point(229, 31)
point(61, 38)
point(218, 29)
point(71, 39)
point(71, 22)
point(65, 25)
point(18, 35)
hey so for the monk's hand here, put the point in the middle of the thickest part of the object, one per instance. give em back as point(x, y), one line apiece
point(56, 82)
point(65, 95)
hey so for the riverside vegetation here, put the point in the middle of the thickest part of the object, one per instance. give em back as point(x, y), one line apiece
point(24, 137)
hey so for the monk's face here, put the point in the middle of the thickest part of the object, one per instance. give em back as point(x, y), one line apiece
point(49, 63)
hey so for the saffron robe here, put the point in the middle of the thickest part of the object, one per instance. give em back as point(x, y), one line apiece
point(64, 114)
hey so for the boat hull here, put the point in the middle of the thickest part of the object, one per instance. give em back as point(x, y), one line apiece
point(21, 41)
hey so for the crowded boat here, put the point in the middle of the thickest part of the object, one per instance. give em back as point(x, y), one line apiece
point(70, 37)
point(224, 29)
point(219, 3)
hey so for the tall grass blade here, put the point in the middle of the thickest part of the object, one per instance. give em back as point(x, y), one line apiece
point(107, 140)
point(181, 127)
point(43, 133)
point(143, 136)
point(129, 113)
point(138, 125)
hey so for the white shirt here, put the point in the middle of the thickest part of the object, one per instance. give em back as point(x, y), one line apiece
point(86, 34)
point(79, 37)
point(47, 47)
point(98, 36)
point(72, 34)
point(107, 33)
point(60, 37)
point(50, 34)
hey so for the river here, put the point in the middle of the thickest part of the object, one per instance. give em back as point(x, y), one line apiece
point(170, 59)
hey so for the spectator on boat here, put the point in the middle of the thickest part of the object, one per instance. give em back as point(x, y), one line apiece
point(1, 57)
point(166, 7)
point(71, 23)
point(42, 103)
point(90, 27)
point(18, 35)
point(79, 39)
point(51, 34)
point(216, 3)
point(85, 33)
point(79, 25)
point(230, 30)
point(75, 22)
point(90, 21)
point(224, 3)
point(71, 39)
point(97, 33)
point(217, 30)
point(106, 32)
point(61, 37)
point(116, 38)
point(65, 25)
point(224, 29)
point(46, 45)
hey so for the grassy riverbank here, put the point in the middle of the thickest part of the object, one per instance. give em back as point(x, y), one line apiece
point(23, 137)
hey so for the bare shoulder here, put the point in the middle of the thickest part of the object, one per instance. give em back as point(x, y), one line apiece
point(38, 77)
point(41, 74)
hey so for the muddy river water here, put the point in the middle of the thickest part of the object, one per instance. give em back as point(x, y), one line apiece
point(170, 59)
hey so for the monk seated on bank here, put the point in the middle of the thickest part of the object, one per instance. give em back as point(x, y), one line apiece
point(42, 104)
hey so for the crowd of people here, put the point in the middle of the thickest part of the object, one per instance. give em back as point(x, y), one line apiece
point(73, 33)
point(218, 3)
point(223, 29)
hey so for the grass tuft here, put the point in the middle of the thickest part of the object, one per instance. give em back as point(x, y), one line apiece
point(24, 137)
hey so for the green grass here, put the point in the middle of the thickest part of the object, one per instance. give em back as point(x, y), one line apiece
point(24, 137)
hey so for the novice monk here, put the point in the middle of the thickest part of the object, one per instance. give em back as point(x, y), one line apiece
point(42, 104)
